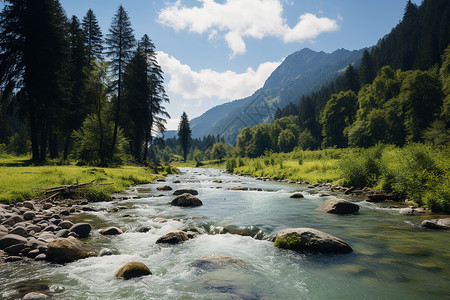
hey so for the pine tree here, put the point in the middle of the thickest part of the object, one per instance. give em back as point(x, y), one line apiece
point(120, 41)
point(366, 69)
point(33, 62)
point(351, 80)
point(94, 36)
point(184, 134)
point(78, 108)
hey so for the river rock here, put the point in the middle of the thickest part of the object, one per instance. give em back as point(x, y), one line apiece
point(81, 229)
point(47, 206)
point(112, 230)
point(217, 181)
point(19, 230)
point(339, 206)
point(213, 261)
point(65, 224)
point(132, 270)
point(238, 188)
point(11, 239)
point(29, 215)
point(63, 250)
point(436, 223)
point(15, 249)
point(297, 195)
point(310, 240)
point(164, 188)
point(173, 237)
point(186, 200)
point(28, 204)
point(35, 296)
point(181, 191)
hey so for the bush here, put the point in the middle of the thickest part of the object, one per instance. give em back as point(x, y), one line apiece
point(362, 169)
point(92, 143)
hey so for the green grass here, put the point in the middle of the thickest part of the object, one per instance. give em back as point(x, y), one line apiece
point(203, 164)
point(21, 180)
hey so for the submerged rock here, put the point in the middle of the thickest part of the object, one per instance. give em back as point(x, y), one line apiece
point(213, 261)
point(186, 200)
point(436, 223)
point(132, 270)
point(35, 296)
point(238, 188)
point(181, 191)
point(63, 250)
point(310, 240)
point(173, 237)
point(339, 206)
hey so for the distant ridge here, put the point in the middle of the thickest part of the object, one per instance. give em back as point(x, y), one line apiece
point(300, 73)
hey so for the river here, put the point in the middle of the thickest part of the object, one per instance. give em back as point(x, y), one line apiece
point(393, 257)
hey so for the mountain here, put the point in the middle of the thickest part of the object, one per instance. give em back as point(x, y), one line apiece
point(300, 73)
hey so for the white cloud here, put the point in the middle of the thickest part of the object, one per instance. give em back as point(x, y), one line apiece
point(237, 19)
point(208, 83)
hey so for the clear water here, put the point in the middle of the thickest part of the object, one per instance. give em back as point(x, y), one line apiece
point(393, 258)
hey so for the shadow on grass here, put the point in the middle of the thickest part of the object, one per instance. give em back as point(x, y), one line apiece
point(24, 161)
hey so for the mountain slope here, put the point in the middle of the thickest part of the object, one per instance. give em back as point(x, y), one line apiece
point(300, 73)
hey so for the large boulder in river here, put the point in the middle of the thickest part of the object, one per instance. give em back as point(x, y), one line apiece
point(132, 270)
point(436, 223)
point(173, 237)
point(181, 191)
point(11, 239)
point(310, 240)
point(82, 229)
point(339, 206)
point(186, 200)
point(63, 250)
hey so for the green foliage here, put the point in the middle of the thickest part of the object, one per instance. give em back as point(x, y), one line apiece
point(90, 139)
point(219, 151)
point(338, 114)
point(362, 169)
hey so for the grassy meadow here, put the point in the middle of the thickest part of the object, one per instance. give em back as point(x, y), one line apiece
point(21, 180)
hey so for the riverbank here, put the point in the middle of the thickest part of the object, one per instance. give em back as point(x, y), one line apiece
point(21, 180)
point(417, 173)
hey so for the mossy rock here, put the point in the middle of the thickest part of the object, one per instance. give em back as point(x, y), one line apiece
point(308, 240)
point(132, 270)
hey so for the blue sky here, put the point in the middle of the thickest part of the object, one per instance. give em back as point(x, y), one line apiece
point(215, 51)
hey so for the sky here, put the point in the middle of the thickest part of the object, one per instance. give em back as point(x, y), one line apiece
point(216, 51)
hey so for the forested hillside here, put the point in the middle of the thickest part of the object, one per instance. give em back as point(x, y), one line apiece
point(300, 73)
point(398, 94)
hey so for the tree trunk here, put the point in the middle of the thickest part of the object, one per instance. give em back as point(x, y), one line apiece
point(43, 149)
point(34, 132)
point(116, 117)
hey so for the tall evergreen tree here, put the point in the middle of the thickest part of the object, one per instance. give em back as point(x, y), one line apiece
point(33, 59)
point(351, 80)
point(366, 69)
point(121, 42)
point(184, 134)
point(94, 37)
point(78, 108)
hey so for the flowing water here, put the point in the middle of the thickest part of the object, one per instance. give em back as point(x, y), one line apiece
point(393, 257)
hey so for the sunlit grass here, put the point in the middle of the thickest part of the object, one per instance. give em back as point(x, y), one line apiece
point(20, 180)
